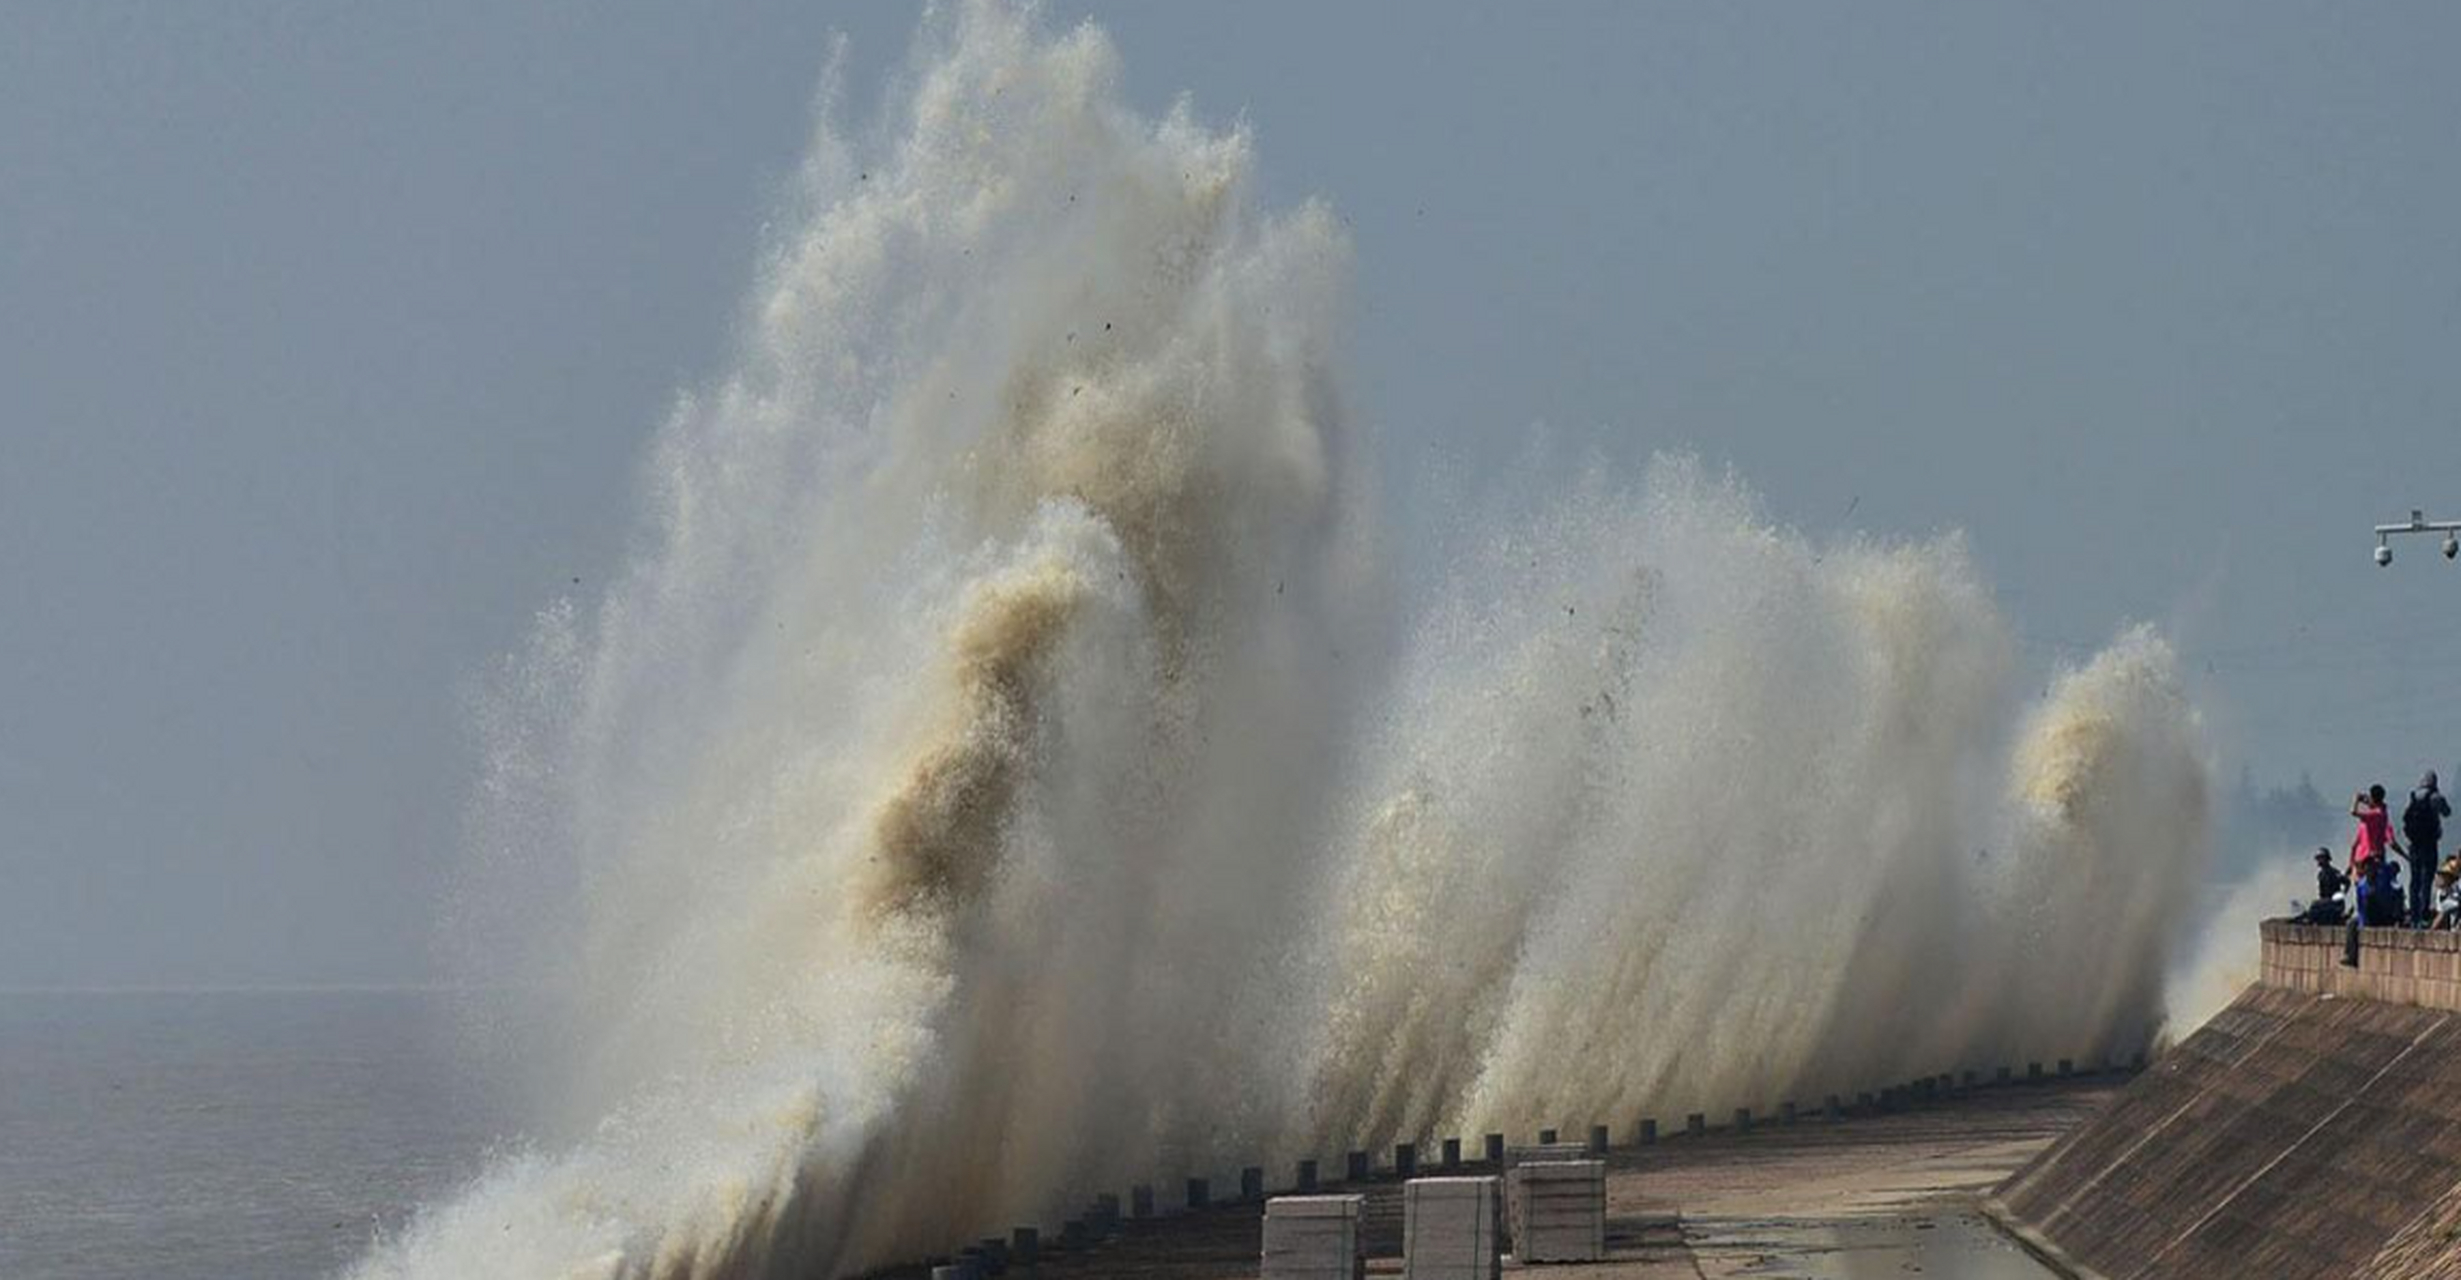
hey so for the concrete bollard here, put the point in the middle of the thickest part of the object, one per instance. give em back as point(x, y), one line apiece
point(1200, 1193)
point(1025, 1245)
point(1785, 1113)
point(1597, 1139)
point(1649, 1133)
point(1359, 1166)
point(1452, 1153)
point(1307, 1177)
point(1835, 1106)
point(2067, 1067)
point(1495, 1148)
point(2033, 1071)
point(1251, 1184)
point(1696, 1124)
point(1546, 1137)
point(1140, 1201)
point(1405, 1159)
point(1743, 1119)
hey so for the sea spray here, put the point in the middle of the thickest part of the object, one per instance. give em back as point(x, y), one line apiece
point(1006, 772)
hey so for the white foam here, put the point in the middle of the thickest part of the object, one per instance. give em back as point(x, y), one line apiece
point(988, 785)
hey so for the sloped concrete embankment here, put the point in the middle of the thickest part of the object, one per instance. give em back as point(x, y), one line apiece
point(2311, 1129)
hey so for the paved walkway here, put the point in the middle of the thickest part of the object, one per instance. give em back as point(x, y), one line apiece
point(1798, 1200)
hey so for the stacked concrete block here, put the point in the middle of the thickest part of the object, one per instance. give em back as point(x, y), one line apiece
point(1558, 1210)
point(1452, 1229)
point(1313, 1238)
point(1546, 1153)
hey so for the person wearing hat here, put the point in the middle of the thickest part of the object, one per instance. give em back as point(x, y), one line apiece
point(2330, 885)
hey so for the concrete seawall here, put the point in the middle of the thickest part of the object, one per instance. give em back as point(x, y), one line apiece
point(2395, 966)
point(2311, 1129)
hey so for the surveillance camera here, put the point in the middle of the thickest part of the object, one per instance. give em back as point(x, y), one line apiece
point(2384, 555)
point(2452, 546)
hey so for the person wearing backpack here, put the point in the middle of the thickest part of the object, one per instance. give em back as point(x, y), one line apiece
point(2422, 823)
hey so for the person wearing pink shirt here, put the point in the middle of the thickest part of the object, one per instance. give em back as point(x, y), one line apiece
point(2370, 842)
point(2375, 829)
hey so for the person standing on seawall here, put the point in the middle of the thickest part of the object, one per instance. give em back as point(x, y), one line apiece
point(2375, 831)
point(2422, 823)
point(2373, 837)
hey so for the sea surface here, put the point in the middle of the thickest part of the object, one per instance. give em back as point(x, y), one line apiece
point(225, 1135)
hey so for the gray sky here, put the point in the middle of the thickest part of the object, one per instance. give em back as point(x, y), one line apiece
point(330, 335)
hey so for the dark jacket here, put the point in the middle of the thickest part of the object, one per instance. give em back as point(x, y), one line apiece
point(2422, 820)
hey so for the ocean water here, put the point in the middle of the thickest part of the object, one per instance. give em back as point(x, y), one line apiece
point(224, 1135)
point(1019, 729)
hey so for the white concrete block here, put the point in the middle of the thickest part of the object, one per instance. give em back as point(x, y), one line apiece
point(1313, 1238)
point(1452, 1229)
point(1558, 1211)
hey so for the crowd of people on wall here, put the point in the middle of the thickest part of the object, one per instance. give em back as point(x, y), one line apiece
point(2366, 889)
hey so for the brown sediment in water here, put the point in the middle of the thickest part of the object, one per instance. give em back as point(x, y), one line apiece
point(937, 838)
